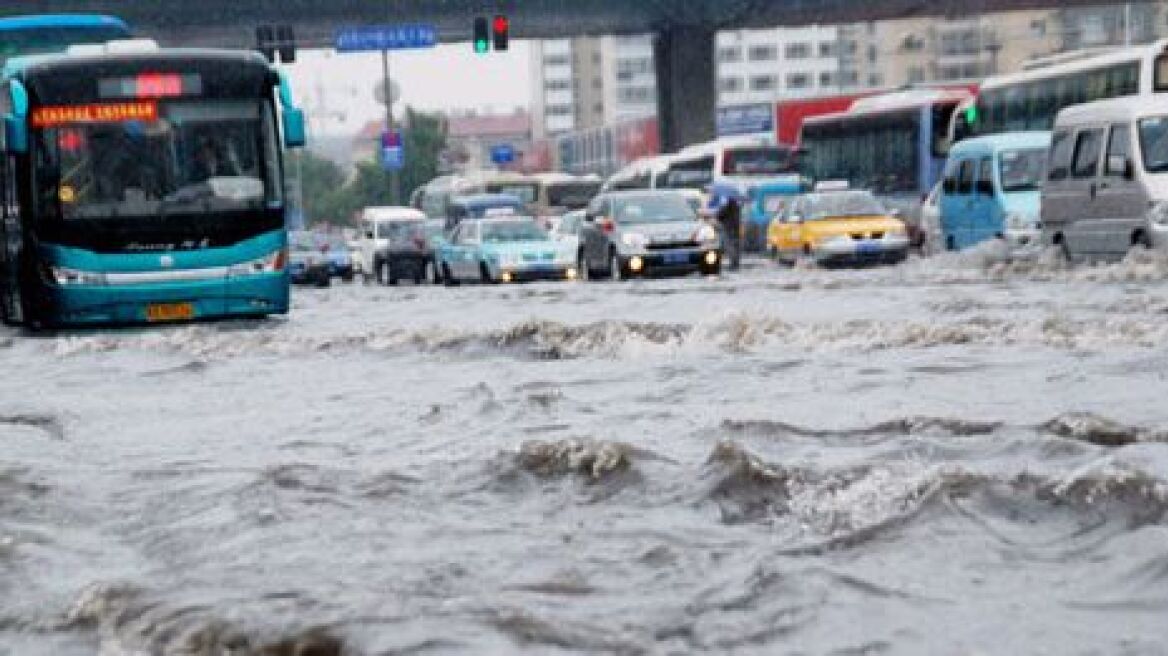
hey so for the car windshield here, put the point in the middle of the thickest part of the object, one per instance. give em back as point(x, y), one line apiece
point(193, 157)
point(658, 208)
point(506, 231)
point(1022, 170)
point(304, 241)
point(525, 192)
point(404, 230)
point(1154, 143)
point(842, 204)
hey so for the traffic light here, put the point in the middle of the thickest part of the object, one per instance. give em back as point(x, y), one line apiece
point(482, 39)
point(499, 29)
point(273, 40)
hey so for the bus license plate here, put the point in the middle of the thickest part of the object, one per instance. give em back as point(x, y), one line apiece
point(170, 311)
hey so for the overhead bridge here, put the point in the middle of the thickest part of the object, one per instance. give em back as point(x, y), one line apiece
point(684, 29)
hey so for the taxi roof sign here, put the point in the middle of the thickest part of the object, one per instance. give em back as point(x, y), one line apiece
point(831, 185)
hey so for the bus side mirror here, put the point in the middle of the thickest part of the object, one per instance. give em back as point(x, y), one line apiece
point(294, 136)
point(15, 135)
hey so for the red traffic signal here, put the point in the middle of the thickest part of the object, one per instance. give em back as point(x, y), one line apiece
point(501, 28)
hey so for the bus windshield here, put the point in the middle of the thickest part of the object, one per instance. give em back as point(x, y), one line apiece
point(195, 157)
point(1022, 170)
point(758, 161)
point(571, 195)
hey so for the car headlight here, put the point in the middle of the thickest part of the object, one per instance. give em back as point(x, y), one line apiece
point(1159, 213)
point(64, 276)
point(634, 240)
point(271, 263)
point(706, 234)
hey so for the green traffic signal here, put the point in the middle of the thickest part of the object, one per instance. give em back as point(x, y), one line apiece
point(971, 114)
point(482, 36)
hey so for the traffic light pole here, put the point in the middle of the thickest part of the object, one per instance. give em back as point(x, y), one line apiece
point(394, 177)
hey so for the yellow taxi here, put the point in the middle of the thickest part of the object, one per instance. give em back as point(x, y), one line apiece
point(843, 226)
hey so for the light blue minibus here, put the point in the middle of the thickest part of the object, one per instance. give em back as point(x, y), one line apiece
point(991, 189)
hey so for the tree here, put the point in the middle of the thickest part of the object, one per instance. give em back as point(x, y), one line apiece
point(329, 198)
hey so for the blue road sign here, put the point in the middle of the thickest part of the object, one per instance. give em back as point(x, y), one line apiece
point(745, 119)
point(503, 154)
point(393, 156)
point(386, 37)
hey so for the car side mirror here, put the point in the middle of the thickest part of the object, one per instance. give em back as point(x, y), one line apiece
point(294, 129)
point(985, 187)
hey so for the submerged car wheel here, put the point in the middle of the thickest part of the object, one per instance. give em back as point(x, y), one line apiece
point(432, 275)
point(485, 274)
point(582, 267)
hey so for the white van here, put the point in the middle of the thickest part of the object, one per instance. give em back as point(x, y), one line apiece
point(374, 230)
point(1106, 188)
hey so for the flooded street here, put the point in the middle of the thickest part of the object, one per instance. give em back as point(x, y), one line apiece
point(944, 457)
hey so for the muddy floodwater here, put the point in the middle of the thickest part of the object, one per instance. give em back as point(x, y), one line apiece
point(951, 456)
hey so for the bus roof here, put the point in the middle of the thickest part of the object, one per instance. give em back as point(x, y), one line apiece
point(1126, 108)
point(895, 101)
point(1054, 67)
point(736, 141)
point(1004, 141)
point(49, 62)
point(37, 21)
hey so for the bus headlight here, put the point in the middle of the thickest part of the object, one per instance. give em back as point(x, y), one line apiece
point(1159, 214)
point(65, 276)
point(271, 263)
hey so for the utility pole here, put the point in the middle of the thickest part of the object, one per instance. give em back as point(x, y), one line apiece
point(394, 176)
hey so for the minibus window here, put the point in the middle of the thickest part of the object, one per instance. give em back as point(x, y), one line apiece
point(1086, 161)
point(1161, 74)
point(1154, 143)
point(965, 177)
point(1117, 146)
point(1060, 157)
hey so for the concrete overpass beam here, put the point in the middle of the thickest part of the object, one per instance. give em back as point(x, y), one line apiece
point(686, 85)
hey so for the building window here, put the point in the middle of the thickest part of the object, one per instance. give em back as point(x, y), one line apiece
point(872, 53)
point(762, 83)
point(827, 49)
point(598, 109)
point(763, 53)
point(797, 51)
point(849, 49)
point(849, 78)
point(558, 85)
point(597, 83)
point(596, 58)
point(826, 79)
point(916, 74)
point(559, 110)
point(875, 80)
point(634, 95)
point(798, 81)
point(557, 60)
point(912, 43)
point(730, 54)
point(730, 85)
point(1038, 28)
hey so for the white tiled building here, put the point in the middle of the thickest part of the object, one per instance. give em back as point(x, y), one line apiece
point(764, 65)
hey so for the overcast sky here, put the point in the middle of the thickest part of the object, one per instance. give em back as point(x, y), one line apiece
point(441, 78)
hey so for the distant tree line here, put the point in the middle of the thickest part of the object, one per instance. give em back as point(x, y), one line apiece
point(332, 197)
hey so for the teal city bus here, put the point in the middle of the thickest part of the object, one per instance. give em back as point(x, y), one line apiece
point(143, 185)
point(40, 33)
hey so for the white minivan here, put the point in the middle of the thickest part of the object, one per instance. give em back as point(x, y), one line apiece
point(1106, 188)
